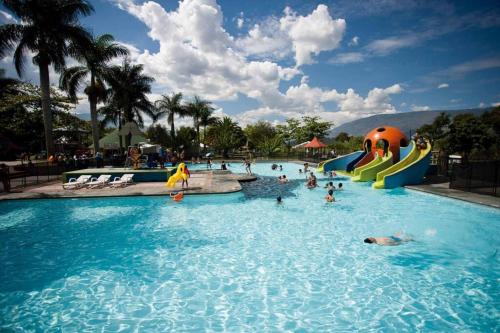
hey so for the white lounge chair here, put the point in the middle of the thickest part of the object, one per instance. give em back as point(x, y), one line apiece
point(74, 183)
point(124, 180)
point(98, 182)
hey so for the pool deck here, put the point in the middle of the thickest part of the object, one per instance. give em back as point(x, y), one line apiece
point(201, 182)
point(443, 189)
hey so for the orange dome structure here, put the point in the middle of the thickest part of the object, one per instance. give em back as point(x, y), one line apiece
point(385, 138)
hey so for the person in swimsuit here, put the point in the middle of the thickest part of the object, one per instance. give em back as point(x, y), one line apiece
point(388, 241)
point(330, 186)
point(278, 200)
point(329, 197)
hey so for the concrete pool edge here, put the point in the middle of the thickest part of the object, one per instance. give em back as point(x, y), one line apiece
point(470, 197)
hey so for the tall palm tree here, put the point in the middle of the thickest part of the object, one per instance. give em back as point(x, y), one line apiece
point(206, 119)
point(171, 106)
point(48, 29)
point(127, 94)
point(95, 63)
point(196, 109)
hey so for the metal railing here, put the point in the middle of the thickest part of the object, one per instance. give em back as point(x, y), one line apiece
point(481, 177)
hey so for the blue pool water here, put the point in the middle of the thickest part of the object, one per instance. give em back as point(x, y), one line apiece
point(241, 263)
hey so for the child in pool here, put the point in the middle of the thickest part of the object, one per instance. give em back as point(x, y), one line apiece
point(278, 200)
point(329, 197)
point(329, 186)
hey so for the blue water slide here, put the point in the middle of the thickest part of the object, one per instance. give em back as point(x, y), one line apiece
point(341, 162)
point(412, 174)
point(350, 167)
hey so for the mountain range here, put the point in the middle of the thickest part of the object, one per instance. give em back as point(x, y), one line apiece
point(408, 122)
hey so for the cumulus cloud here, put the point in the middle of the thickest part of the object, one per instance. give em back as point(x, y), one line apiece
point(443, 86)
point(354, 41)
point(305, 36)
point(198, 56)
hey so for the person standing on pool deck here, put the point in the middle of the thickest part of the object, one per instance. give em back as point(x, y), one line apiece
point(186, 171)
point(247, 163)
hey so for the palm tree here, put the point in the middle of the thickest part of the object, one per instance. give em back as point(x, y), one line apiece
point(95, 63)
point(171, 106)
point(206, 119)
point(226, 134)
point(49, 28)
point(127, 99)
point(197, 109)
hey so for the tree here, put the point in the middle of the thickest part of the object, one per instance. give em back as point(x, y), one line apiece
point(21, 116)
point(159, 134)
point(314, 127)
point(186, 136)
point(197, 109)
point(95, 64)
point(50, 29)
point(171, 106)
point(271, 145)
point(437, 130)
point(342, 137)
point(225, 134)
point(127, 95)
point(258, 133)
point(288, 132)
point(466, 134)
point(206, 119)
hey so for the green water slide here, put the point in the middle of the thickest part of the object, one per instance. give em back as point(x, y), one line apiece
point(412, 156)
point(369, 171)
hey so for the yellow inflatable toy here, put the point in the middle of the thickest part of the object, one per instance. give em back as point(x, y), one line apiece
point(180, 174)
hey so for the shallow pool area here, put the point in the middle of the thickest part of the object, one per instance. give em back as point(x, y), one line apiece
point(241, 263)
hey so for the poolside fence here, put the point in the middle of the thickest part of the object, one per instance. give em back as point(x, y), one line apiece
point(482, 177)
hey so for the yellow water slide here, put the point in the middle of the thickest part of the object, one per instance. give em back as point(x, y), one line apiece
point(180, 174)
point(369, 171)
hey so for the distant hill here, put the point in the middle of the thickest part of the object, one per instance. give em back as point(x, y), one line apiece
point(83, 116)
point(406, 121)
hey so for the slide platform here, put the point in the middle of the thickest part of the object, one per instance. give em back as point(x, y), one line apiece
point(410, 170)
point(369, 171)
point(339, 163)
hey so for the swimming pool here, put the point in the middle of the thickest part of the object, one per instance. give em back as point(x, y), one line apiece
point(240, 262)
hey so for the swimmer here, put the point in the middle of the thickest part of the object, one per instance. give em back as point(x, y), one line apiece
point(281, 167)
point(177, 196)
point(278, 200)
point(300, 170)
point(329, 186)
point(274, 166)
point(329, 197)
point(283, 179)
point(388, 241)
point(339, 188)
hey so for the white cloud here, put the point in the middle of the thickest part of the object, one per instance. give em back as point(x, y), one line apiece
point(6, 18)
point(198, 56)
point(443, 86)
point(495, 104)
point(420, 108)
point(239, 22)
point(455, 100)
point(482, 105)
point(354, 41)
point(347, 58)
point(388, 45)
point(304, 36)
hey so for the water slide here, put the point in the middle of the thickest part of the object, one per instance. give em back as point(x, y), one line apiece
point(409, 170)
point(178, 175)
point(339, 163)
point(369, 171)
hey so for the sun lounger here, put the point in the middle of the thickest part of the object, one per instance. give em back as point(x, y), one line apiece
point(124, 180)
point(74, 183)
point(98, 182)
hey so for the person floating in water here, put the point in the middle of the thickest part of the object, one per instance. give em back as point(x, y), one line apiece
point(300, 170)
point(278, 200)
point(329, 197)
point(340, 187)
point(274, 166)
point(388, 241)
point(281, 167)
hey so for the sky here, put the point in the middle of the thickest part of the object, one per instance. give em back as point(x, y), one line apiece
point(340, 60)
